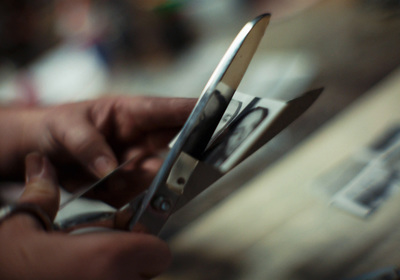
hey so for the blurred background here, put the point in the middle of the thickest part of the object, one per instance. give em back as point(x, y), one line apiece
point(55, 51)
point(64, 50)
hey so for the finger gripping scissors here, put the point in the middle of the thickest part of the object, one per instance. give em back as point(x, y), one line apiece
point(208, 146)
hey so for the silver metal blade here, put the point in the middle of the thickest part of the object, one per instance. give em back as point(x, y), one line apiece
point(205, 174)
point(205, 117)
point(221, 86)
point(98, 183)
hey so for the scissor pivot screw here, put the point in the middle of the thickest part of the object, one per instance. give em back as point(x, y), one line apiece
point(161, 203)
point(181, 181)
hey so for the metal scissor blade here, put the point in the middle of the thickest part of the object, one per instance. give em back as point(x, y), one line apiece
point(205, 174)
point(81, 192)
point(234, 63)
point(200, 126)
point(284, 117)
point(222, 85)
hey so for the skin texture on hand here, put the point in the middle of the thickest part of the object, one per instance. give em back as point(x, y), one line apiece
point(93, 137)
point(85, 129)
point(28, 252)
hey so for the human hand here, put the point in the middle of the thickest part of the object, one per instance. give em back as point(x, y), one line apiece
point(29, 252)
point(99, 134)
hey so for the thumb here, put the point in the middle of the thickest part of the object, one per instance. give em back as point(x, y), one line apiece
point(41, 187)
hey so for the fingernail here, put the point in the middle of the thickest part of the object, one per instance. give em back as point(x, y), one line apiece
point(104, 165)
point(34, 166)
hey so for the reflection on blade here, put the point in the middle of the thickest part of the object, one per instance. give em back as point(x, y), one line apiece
point(278, 116)
point(97, 184)
point(222, 85)
point(216, 162)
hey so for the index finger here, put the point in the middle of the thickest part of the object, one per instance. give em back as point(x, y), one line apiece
point(152, 113)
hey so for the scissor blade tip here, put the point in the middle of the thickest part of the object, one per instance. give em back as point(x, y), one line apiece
point(261, 21)
point(317, 92)
point(265, 16)
point(314, 93)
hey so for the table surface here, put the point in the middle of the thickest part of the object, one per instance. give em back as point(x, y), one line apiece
point(279, 227)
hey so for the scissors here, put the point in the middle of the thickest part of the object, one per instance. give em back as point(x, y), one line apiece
point(190, 166)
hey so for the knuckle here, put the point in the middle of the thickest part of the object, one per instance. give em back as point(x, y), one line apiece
point(76, 137)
